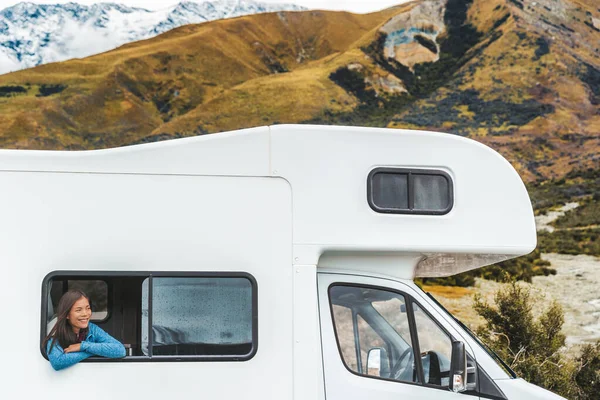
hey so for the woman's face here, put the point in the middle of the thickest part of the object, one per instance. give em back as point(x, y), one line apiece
point(80, 314)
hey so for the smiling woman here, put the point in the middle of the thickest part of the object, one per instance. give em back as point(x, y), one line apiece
point(74, 338)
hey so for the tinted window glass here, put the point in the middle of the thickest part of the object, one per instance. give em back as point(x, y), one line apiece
point(368, 339)
point(199, 316)
point(378, 332)
point(431, 192)
point(436, 349)
point(345, 335)
point(390, 190)
point(410, 191)
point(394, 311)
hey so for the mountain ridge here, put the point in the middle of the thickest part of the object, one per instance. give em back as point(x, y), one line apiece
point(34, 34)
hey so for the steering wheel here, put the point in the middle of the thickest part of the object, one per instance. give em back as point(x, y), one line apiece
point(401, 367)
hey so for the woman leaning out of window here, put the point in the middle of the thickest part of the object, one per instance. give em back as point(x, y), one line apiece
point(74, 337)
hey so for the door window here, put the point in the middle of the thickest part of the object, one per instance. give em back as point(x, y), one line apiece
point(345, 335)
point(373, 335)
point(373, 331)
point(435, 347)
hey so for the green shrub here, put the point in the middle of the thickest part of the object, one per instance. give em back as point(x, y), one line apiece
point(533, 346)
point(588, 374)
point(576, 185)
point(353, 82)
point(578, 241)
point(588, 213)
point(7, 91)
point(49, 90)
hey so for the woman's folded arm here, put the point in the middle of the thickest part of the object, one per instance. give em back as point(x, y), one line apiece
point(103, 344)
point(61, 360)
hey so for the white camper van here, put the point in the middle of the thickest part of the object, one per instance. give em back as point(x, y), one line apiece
point(268, 263)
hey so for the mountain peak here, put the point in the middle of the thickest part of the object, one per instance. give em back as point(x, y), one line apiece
point(117, 7)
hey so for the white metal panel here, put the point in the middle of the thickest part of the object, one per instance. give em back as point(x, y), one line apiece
point(520, 389)
point(328, 168)
point(244, 152)
point(63, 221)
point(308, 362)
point(397, 265)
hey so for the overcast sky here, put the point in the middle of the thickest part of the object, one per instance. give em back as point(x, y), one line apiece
point(359, 6)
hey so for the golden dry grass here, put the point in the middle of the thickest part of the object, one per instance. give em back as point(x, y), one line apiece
point(216, 76)
point(449, 292)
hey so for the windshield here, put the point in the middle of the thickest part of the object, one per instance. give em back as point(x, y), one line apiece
point(489, 351)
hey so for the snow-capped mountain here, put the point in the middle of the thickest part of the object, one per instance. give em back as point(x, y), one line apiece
point(33, 34)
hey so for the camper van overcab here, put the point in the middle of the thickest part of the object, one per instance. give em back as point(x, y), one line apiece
point(267, 263)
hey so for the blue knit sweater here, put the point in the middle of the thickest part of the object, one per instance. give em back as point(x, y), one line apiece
point(96, 343)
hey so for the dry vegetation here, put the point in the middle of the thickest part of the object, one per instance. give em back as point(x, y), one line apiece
point(195, 79)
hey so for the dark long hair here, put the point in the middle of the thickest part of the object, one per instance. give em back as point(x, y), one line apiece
point(62, 332)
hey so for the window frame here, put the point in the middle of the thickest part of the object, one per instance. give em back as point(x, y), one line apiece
point(412, 327)
point(155, 274)
point(410, 172)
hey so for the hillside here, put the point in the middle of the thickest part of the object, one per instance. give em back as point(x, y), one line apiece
point(128, 95)
point(523, 77)
point(34, 34)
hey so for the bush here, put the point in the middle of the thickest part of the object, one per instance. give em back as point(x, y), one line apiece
point(353, 82)
point(49, 90)
point(588, 375)
point(7, 91)
point(580, 241)
point(576, 185)
point(587, 214)
point(532, 346)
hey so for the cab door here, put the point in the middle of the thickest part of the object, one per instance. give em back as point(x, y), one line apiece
point(379, 343)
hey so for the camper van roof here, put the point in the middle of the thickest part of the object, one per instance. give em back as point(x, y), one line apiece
point(329, 169)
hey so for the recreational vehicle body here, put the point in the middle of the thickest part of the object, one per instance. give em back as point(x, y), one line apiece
point(268, 263)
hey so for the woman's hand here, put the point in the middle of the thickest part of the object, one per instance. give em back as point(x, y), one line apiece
point(73, 348)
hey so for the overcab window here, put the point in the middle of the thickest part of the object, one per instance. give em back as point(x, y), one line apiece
point(409, 191)
point(166, 316)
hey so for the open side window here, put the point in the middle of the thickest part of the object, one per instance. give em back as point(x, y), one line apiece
point(165, 316)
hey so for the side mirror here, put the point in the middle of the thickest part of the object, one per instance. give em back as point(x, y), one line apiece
point(431, 368)
point(458, 368)
point(378, 363)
